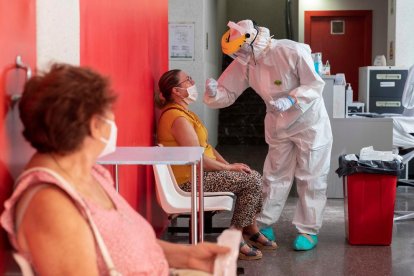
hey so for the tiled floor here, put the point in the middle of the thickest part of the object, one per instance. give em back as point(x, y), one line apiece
point(333, 255)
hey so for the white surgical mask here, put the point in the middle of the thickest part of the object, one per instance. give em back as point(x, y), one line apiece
point(110, 144)
point(262, 42)
point(192, 94)
point(260, 45)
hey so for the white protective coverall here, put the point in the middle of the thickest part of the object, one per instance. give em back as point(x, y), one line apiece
point(408, 94)
point(299, 139)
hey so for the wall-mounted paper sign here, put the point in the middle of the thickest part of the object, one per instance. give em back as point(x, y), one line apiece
point(181, 41)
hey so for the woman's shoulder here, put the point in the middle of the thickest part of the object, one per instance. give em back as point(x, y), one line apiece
point(35, 182)
point(172, 112)
point(45, 178)
point(35, 175)
point(48, 179)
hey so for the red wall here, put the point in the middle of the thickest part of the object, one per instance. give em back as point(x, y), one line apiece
point(17, 37)
point(127, 40)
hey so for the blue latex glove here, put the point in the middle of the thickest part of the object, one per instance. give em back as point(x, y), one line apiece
point(283, 104)
point(211, 87)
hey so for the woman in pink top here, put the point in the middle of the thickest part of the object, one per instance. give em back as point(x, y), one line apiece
point(67, 117)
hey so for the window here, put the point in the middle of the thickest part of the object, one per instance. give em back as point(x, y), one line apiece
point(337, 27)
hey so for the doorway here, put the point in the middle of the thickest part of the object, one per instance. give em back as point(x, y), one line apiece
point(344, 38)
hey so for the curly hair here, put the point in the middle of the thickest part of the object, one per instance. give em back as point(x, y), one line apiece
point(56, 107)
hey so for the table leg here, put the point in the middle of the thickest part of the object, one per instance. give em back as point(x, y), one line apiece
point(194, 231)
point(404, 215)
point(200, 202)
point(116, 178)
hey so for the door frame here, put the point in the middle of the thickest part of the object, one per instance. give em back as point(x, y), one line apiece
point(365, 14)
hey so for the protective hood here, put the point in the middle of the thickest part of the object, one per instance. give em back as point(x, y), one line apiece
point(244, 40)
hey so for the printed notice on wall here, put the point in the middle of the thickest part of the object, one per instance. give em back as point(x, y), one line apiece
point(181, 41)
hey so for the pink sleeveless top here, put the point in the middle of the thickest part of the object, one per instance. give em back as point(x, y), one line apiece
point(130, 239)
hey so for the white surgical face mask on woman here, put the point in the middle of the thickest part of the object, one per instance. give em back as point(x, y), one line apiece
point(192, 94)
point(110, 143)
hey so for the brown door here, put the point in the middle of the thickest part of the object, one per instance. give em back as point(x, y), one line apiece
point(343, 38)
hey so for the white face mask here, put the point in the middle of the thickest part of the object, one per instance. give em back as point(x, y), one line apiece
point(262, 42)
point(110, 144)
point(260, 45)
point(192, 94)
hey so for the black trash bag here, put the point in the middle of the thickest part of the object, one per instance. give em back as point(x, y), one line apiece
point(348, 167)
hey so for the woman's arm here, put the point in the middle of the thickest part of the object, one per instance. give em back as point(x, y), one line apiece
point(185, 135)
point(56, 235)
point(231, 84)
point(220, 157)
point(199, 257)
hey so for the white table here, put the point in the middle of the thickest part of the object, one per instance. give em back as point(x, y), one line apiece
point(172, 156)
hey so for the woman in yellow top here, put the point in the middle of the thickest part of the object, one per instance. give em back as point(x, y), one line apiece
point(178, 126)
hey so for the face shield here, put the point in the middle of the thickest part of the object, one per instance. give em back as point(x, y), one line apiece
point(244, 40)
point(239, 36)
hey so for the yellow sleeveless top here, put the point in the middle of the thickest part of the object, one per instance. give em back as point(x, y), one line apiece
point(169, 114)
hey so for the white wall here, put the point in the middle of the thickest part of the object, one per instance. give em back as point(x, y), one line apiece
point(379, 17)
point(209, 19)
point(401, 32)
point(215, 23)
point(57, 40)
point(57, 32)
point(188, 11)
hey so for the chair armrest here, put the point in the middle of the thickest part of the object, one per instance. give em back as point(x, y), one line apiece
point(207, 194)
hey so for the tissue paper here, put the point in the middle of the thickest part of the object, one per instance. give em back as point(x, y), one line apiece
point(226, 264)
point(368, 153)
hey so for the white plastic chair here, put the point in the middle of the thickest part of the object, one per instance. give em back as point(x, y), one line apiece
point(175, 201)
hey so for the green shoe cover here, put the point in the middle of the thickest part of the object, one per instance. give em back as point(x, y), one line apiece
point(305, 242)
point(268, 233)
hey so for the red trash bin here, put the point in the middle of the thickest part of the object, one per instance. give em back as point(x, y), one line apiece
point(369, 208)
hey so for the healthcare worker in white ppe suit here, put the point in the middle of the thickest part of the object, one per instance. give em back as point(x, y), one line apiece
point(408, 94)
point(297, 127)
